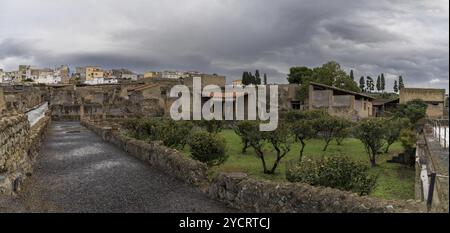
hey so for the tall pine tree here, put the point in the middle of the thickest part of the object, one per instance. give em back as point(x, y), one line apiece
point(265, 79)
point(362, 83)
point(257, 78)
point(351, 75)
point(395, 86)
point(383, 83)
point(379, 83)
point(401, 85)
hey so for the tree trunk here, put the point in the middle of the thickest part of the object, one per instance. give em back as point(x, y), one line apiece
point(387, 148)
point(327, 142)
point(244, 150)
point(302, 147)
point(373, 161)
point(261, 156)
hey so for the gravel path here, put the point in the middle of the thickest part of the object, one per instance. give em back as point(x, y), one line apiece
point(78, 172)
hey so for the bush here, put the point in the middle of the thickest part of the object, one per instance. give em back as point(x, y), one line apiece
point(175, 134)
point(335, 172)
point(212, 126)
point(208, 148)
point(244, 129)
point(172, 133)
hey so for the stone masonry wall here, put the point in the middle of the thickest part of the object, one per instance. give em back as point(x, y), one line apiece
point(19, 146)
point(245, 193)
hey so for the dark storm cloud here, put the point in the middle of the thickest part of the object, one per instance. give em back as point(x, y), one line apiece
point(227, 37)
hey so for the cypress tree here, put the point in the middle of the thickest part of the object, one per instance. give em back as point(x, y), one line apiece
point(362, 84)
point(395, 86)
point(383, 82)
point(265, 79)
point(379, 83)
point(401, 85)
point(351, 75)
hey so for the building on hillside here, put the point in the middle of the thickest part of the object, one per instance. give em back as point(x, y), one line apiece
point(385, 107)
point(340, 102)
point(132, 77)
point(93, 72)
point(173, 75)
point(435, 99)
point(152, 74)
point(118, 73)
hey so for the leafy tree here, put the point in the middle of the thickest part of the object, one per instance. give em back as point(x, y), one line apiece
point(371, 132)
point(413, 110)
point(298, 75)
point(244, 130)
point(212, 126)
point(330, 74)
point(208, 148)
point(280, 140)
point(394, 126)
point(395, 86)
point(362, 83)
point(344, 129)
point(303, 127)
point(328, 126)
point(383, 82)
point(401, 85)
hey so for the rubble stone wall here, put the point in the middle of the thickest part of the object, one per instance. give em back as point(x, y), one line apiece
point(19, 147)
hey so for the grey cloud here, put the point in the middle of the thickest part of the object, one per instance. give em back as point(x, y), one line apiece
point(230, 36)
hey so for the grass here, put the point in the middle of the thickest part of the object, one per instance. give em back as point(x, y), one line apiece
point(395, 181)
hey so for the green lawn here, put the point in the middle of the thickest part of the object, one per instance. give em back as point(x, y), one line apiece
point(395, 181)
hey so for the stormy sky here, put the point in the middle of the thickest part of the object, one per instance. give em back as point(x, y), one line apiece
point(409, 38)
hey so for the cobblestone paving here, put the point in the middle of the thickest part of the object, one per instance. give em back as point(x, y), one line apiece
point(78, 172)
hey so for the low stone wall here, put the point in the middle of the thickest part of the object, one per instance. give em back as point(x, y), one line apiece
point(165, 159)
point(243, 192)
point(19, 147)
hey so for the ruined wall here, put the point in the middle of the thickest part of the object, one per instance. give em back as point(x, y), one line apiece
point(22, 98)
point(2, 102)
point(425, 94)
point(19, 146)
point(434, 97)
point(242, 192)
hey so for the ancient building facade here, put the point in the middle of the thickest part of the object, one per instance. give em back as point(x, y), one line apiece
point(434, 98)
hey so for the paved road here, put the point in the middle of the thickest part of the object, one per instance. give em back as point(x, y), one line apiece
point(78, 172)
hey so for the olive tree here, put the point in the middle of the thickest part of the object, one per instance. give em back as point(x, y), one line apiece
point(280, 140)
point(244, 130)
point(302, 125)
point(393, 129)
point(329, 127)
point(371, 132)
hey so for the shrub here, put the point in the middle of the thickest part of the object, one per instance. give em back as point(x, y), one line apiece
point(244, 130)
point(208, 148)
point(335, 172)
point(175, 134)
point(212, 126)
